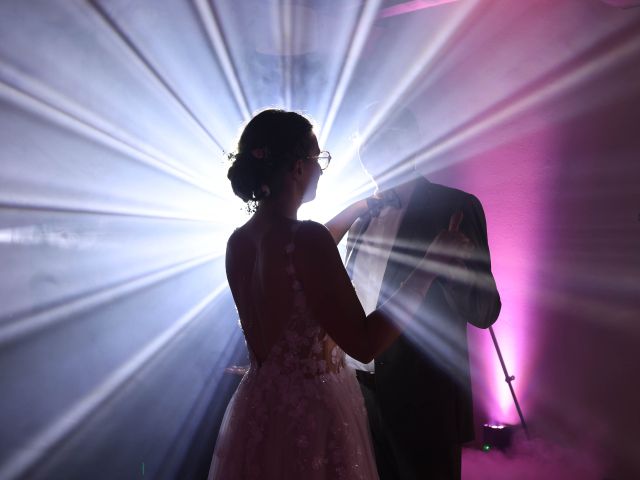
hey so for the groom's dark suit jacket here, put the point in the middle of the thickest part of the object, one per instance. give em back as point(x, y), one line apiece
point(422, 381)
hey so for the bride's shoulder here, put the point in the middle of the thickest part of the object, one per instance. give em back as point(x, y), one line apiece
point(313, 234)
point(239, 240)
point(314, 245)
point(236, 236)
point(310, 225)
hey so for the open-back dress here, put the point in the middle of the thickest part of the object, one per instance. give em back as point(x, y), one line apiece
point(298, 414)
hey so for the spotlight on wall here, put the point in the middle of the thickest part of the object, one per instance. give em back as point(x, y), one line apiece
point(496, 436)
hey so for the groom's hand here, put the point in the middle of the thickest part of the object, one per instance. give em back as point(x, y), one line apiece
point(451, 246)
point(455, 221)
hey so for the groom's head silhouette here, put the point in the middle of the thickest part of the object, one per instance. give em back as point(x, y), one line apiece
point(386, 154)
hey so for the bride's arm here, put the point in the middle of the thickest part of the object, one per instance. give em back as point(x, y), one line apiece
point(332, 298)
point(341, 223)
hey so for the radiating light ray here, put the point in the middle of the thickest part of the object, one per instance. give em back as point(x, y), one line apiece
point(411, 6)
point(408, 250)
point(587, 273)
point(113, 25)
point(598, 311)
point(441, 343)
point(64, 425)
point(211, 24)
point(502, 112)
point(53, 205)
point(89, 15)
point(359, 38)
point(396, 173)
point(338, 196)
point(285, 27)
point(47, 97)
point(420, 67)
point(21, 325)
point(86, 125)
point(37, 236)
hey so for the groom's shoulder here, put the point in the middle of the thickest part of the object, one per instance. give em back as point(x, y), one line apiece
point(450, 192)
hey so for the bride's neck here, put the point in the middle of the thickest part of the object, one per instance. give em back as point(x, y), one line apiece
point(281, 207)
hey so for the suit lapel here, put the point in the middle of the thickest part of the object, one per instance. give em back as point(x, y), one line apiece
point(414, 235)
point(353, 245)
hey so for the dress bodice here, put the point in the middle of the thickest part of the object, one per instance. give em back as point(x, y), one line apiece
point(304, 347)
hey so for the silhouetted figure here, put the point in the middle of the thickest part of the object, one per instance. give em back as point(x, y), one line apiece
point(419, 398)
point(298, 412)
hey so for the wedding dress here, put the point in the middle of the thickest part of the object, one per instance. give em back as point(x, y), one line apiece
point(300, 413)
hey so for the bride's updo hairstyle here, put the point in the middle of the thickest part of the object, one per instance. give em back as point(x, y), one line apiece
point(269, 146)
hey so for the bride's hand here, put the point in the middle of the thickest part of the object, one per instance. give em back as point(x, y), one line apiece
point(379, 200)
point(339, 225)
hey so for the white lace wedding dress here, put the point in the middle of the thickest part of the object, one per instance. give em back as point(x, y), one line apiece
point(299, 414)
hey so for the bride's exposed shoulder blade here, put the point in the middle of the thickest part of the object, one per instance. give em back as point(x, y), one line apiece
point(240, 241)
point(329, 290)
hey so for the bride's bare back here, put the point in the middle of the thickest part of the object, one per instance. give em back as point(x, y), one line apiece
point(257, 264)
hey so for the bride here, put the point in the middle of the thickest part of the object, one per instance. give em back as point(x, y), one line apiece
point(298, 411)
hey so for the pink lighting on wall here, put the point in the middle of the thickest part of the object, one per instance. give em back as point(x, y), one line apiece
point(623, 3)
point(510, 180)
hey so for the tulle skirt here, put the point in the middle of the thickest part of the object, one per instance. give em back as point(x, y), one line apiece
point(289, 427)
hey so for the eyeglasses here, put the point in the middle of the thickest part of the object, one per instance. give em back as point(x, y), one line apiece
point(323, 159)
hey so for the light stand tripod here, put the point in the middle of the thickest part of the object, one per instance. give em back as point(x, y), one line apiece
point(509, 378)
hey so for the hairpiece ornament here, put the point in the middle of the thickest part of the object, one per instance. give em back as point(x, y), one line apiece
point(265, 188)
point(258, 153)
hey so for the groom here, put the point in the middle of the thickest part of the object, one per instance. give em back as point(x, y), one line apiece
point(418, 392)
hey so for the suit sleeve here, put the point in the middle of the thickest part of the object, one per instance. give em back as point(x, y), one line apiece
point(475, 296)
point(352, 237)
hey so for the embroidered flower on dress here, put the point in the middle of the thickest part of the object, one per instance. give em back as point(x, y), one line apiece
point(318, 462)
point(302, 441)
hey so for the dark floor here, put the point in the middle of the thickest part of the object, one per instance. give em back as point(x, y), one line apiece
point(531, 460)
